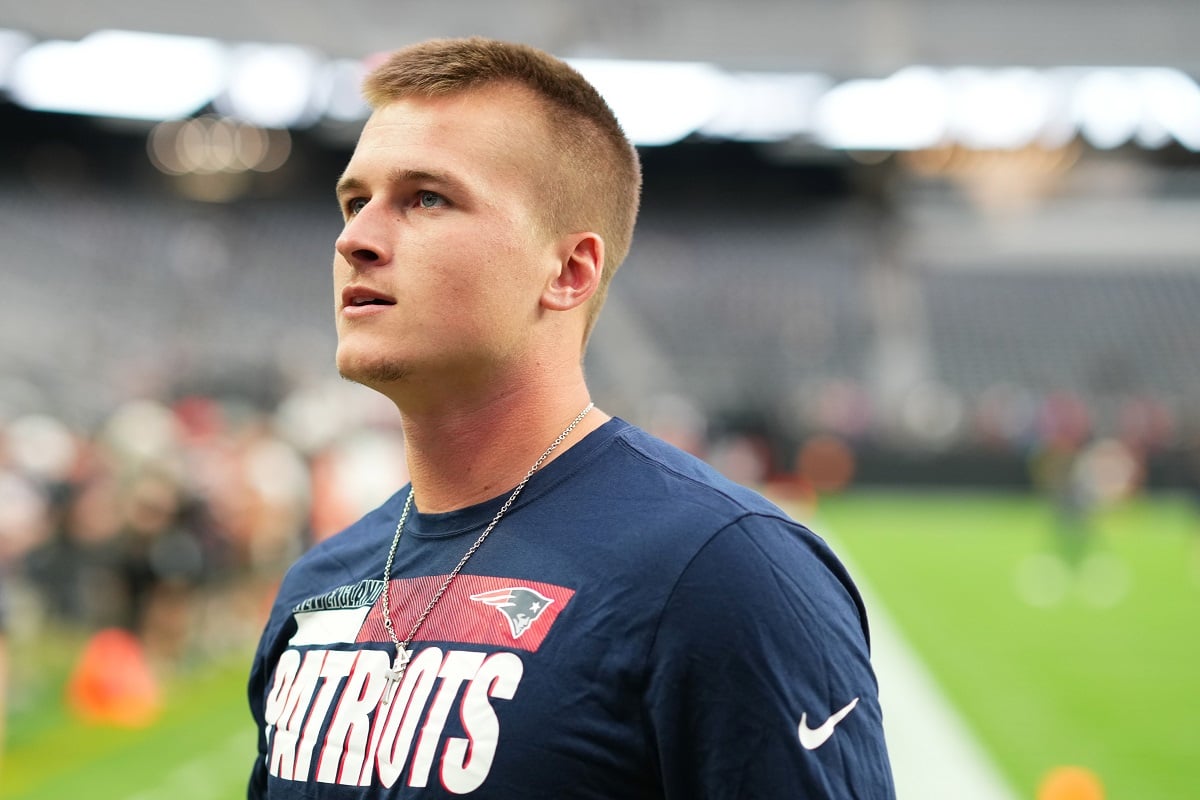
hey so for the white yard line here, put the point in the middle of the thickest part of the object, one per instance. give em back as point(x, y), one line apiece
point(934, 754)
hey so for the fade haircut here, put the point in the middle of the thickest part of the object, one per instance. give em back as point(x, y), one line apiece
point(594, 174)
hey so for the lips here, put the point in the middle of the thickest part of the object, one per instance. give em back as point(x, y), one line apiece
point(362, 296)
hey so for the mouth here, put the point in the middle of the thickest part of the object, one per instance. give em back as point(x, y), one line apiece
point(360, 296)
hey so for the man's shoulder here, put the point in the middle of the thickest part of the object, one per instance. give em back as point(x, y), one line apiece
point(688, 504)
point(658, 466)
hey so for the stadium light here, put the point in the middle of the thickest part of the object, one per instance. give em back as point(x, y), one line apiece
point(907, 111)
point(337, 93)
point(120, 74)
point(1107, 108)
point(766, 107)
point(1004, 109)
point(12, 44)
point(1173, 101)
point(271, 85)
point(159, 77)
point(657, 103)
point(211, 144)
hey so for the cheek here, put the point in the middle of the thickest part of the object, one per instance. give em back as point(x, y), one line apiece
point(340, 271)
point(519, 259)
point(486, 269)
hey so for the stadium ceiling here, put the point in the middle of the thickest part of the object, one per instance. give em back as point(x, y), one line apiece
point(845, 38)
point(866, 75)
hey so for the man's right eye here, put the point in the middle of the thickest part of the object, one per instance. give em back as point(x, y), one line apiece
point(355, 205)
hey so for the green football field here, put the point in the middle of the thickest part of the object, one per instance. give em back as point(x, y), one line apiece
point(200, 747)
point(1095, 666)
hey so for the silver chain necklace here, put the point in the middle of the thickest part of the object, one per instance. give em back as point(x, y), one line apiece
point(394, 675)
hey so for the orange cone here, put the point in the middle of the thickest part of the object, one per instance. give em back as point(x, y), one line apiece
point(112, 684)
point(1070, 783)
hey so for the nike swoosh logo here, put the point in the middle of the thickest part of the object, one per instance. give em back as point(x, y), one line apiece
point(812, 738)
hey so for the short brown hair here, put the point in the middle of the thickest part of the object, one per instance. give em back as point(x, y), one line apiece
point(598, 181)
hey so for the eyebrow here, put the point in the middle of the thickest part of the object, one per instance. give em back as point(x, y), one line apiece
point(348, 184)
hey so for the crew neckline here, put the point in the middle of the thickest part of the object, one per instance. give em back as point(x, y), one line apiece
point(474, 518)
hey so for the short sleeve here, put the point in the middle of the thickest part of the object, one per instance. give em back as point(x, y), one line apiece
point(760, 681)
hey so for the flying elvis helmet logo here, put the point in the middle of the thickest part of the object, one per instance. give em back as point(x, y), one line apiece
point(520, 605)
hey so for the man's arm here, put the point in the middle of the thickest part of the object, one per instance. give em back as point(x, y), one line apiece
point(761, 684)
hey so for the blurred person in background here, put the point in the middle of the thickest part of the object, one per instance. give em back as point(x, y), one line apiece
point(559, 604)
point(1059, 471)
point(160, 562)
point(166, 524)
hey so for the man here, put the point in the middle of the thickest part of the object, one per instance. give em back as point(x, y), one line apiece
point(559, 605)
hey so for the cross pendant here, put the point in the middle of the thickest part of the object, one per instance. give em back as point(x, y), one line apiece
point(395, 675)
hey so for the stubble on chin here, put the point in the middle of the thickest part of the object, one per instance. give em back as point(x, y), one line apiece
point(374, 374)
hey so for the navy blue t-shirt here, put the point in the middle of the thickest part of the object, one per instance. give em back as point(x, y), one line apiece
point(636, 626)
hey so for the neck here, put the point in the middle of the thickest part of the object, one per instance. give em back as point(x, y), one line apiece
point(470, 452)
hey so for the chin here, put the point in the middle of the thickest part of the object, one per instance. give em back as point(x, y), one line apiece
point(373, 371)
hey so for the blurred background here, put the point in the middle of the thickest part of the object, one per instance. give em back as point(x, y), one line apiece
point(926, 271)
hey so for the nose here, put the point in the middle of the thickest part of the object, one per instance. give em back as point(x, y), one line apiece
point(363, 241)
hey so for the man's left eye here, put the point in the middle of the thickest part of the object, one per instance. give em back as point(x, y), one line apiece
point(428, 199)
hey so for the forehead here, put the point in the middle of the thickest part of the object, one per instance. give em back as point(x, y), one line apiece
point(480, 135)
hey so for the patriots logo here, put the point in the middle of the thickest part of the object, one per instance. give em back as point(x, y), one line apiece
point(520, 605)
